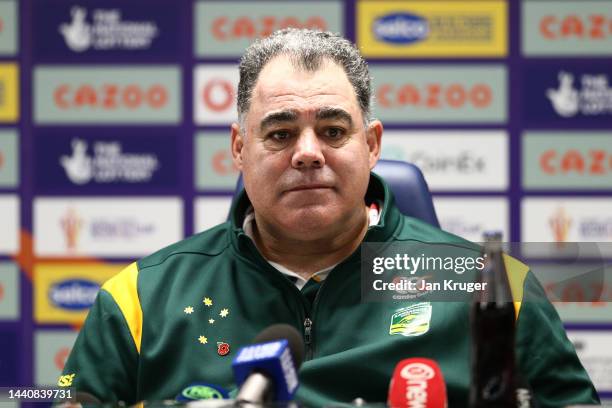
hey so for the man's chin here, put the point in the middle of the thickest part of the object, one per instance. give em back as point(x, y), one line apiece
point(308, 223)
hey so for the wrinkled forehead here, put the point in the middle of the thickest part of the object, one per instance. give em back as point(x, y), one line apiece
point(284, 86)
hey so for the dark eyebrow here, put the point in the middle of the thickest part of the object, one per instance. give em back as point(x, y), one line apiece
point(334, 113)
point(278, 117)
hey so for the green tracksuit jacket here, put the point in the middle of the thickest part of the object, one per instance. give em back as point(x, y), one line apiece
point(158, 326)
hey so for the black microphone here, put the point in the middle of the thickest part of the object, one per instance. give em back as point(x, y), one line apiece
point(524, 394)
point(266, 371)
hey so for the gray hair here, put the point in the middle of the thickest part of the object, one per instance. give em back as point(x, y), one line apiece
point(307, 50)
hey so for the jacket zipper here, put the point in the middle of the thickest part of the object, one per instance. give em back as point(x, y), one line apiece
point(308, 337)
point(309, 324)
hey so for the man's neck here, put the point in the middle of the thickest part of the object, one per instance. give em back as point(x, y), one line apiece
point(306, 257)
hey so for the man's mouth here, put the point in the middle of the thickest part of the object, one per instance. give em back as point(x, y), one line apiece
point(303, 187)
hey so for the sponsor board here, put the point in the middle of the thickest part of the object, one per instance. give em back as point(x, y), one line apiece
point(10, 219)
point(11, 359)
point(584, 312)
point(51, 350)
point(214, 96)
point(114, 29)
point(567, 160)
point(432, 29)
point(440, 93)
point(568, 93)
point(10, 291)
point(63, 293)
point(215, 169)
point(566, 28)
point(580, 290)
point(120, 160)
point(470, 217)
point(8, 27)
point(9, 92)
point(453, 160)
point(9, 158)
point(102, 226)
point(225, 29)
point(576, 285)
point(566, 219)
point(107, 94)
point(593, 349)
point(210, 211)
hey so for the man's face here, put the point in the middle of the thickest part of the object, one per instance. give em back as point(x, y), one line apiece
point(306, 155)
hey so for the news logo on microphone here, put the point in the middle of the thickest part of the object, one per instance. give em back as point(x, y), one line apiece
point(417, 382)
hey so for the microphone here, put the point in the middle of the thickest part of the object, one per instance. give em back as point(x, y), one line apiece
point(417, 382)
point(524, 394)
point(267, 370)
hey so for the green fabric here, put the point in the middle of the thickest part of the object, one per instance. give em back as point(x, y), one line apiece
point(352, 353)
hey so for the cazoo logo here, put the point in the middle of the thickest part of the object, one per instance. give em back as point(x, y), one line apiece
point(93, 94)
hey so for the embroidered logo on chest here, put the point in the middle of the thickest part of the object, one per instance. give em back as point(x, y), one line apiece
point(412, 320)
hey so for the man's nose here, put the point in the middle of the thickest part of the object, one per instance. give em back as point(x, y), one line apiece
point(308, 151)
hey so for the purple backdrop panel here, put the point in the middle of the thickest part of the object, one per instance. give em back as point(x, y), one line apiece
point(9, 357)
point(126, 160)
point(568, 93)
point(68, 30)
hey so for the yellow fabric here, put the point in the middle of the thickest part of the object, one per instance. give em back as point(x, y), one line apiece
point(123, 287)
point(517, 272)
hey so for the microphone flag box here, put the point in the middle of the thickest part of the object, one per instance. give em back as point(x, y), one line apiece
point(272, 359)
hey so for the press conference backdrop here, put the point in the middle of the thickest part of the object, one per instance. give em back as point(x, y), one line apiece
point(114, 139)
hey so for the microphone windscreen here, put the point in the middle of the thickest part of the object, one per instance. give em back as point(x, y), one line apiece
point(417, 382)
point(284, 331)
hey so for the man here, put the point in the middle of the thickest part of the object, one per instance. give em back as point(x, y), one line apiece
point(305, 144)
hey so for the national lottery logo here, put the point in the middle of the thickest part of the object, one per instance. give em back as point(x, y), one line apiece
point(77, 34)
point(591, 96)
point(108, 31)
point(107, 164)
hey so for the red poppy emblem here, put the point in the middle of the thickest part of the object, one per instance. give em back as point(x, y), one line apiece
point(223, 349)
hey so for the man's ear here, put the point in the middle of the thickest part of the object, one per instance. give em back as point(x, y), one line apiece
point(374, 139)
point(237, 145)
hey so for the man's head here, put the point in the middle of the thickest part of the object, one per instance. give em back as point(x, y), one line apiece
point(304, 142)
point(307, 49)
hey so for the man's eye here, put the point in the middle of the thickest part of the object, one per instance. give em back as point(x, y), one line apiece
point(280, 135)
point(334, 133)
